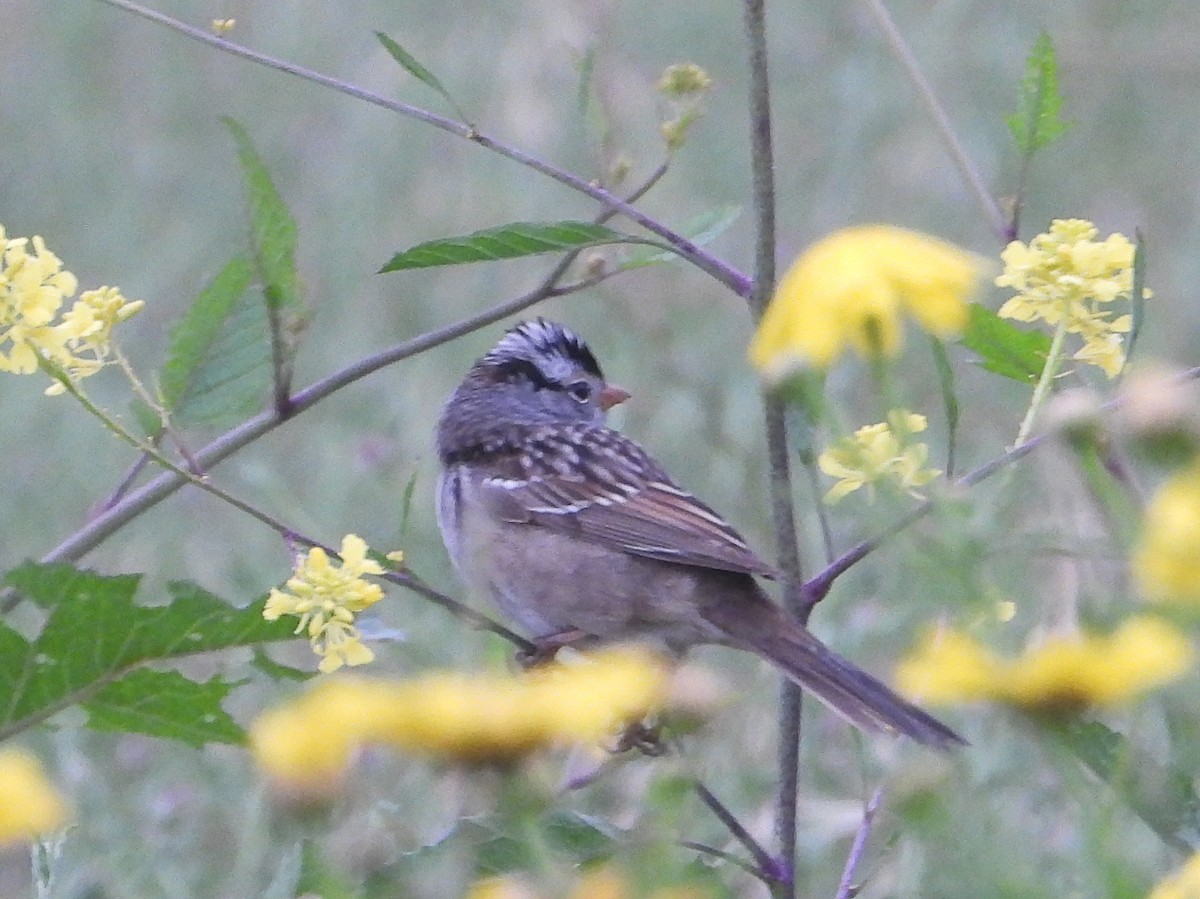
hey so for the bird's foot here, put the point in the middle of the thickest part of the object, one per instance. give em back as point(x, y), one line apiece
point(644, 737)
point(543, 649)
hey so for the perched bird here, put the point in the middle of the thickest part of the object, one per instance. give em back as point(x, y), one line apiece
point(577, 534)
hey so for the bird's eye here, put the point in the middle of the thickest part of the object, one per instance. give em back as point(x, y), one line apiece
point(580, 390)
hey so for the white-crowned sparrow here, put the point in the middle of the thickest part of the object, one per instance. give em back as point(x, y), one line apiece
point(575, 532)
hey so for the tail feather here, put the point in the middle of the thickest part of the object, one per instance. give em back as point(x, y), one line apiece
point(764, 628)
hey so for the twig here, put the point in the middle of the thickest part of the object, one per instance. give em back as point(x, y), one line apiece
point(736, 281)
point(941, 122)
point(772, 872)
point(846, 888)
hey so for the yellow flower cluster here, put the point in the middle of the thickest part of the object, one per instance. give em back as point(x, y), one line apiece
point(306, 745)
point(1067, 278)
point(850, 289)
point(29, 805)
point(327, 597)
point(1166, 561)
point(598, 883)
point(33, 289)
point(877, 453)
point(1060, 675)
point(1183, 884)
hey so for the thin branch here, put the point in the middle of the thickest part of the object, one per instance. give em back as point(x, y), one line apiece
point(778, 457)
point(846, 888)
point(771, 870)
point(736, 281)
point(908, 61)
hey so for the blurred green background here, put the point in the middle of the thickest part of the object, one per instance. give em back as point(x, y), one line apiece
point(112, 149)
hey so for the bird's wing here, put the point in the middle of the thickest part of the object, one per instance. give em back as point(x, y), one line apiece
point(597, 484)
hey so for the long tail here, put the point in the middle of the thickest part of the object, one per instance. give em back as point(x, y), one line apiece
point(764, 628)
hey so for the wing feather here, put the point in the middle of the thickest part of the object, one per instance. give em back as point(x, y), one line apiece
point(597, 484)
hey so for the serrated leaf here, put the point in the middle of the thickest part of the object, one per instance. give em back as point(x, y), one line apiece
point(1037, 121)
point(1004, 348)
point(272, 228)
point(701, 230)
point(506, 242)
point(581, 837)
point(219, 360)
point(276, 670)
point(1162, 796)
point(418, 71)
point(165, 704)
point(95, 634)
point(193, 336)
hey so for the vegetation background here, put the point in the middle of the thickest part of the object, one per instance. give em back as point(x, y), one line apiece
point(112, 149)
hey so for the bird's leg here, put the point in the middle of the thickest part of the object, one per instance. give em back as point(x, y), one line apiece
point(645, 737)
point(546, 647)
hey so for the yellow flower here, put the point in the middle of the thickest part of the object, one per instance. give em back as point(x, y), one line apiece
point(307, 744)
point(33, 288)
point(1183, 884)
point(327, 597)
point(29, 805)
point(1061, 674)
point(879, 452)
point(850, 290)
point(1065, 277)
point(1166, 561)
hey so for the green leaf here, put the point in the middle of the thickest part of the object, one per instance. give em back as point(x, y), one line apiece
point(418, 71)
point(275, 670)
point(1004, 348)
point(506, 242)
point(701, 230)
point(1037, 121)
point(219, 360)
point(272, 229)
point(583, 92)
point(945, 373)
point(1162, 796)
point(95, 634)
point(165, 704)
point(1137, 297)
point(581, 837)
point(406, 499)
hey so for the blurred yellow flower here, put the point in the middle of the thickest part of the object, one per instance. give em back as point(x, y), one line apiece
point(306, 744)
point(33, 288)
point(1061, 674)
point(1183, 884)
point(879, 452)
point(1166, 560)
point(850, 289)
point(29, 805)
point(1065, 277)
point(684, 79)
point(500, 888)
point(327, 597)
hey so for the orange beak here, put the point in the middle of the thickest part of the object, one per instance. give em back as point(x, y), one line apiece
point(612, 395)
